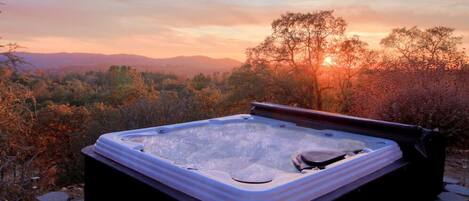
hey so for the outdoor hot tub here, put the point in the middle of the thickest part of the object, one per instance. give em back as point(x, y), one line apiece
point(257, 156)
point(246, 157)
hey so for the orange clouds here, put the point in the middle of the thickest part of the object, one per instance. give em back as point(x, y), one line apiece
point(165, 28)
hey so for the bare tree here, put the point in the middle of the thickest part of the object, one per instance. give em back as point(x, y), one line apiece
point(7, 56)
point(422, 80)
point(427, 50)
point(300, 42)
point(351, 57)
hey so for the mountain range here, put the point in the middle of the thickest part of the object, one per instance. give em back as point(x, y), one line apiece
point(82, 62)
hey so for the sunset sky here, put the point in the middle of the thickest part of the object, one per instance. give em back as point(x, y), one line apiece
point(166, 28)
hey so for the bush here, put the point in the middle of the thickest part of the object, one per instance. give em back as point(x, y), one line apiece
point(432, 100)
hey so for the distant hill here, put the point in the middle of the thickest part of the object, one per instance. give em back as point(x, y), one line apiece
point(82, 62)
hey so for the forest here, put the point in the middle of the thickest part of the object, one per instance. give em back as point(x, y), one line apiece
point(417, 76)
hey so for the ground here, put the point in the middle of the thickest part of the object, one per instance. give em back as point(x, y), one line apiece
point(456, 172)
point(457, 165)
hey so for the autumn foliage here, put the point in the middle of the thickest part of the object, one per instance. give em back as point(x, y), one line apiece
point(418, 76)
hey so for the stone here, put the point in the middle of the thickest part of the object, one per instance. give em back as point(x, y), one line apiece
point(54, 196)
point(457, 189)
point(448, 196)
point(450, 180)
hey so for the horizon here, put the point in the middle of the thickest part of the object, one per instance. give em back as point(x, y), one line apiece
point(128, 54)
point(216, 29)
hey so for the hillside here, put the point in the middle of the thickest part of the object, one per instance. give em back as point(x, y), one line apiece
point(81, 62)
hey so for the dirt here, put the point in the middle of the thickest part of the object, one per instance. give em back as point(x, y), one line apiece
point(457, 165)
point(74, 191)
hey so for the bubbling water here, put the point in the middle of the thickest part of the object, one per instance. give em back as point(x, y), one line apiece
point(240, 146)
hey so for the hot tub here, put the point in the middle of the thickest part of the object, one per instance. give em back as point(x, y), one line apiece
point(246, 157)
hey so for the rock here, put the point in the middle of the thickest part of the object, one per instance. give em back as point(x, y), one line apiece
point(53, 196)
point(450, 180)
point(457, 189)
point(448, 196)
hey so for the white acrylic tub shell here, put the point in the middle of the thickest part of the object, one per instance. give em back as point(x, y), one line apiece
point(218, 185)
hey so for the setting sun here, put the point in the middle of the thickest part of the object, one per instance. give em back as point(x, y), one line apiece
point(328, 61)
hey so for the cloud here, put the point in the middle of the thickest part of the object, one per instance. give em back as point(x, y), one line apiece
point(213, 27)
point(89, 17)
point(398, 17)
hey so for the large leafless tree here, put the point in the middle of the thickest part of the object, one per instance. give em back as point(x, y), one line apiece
point(300, 42)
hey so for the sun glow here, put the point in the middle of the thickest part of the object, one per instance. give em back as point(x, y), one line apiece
point(328, 61)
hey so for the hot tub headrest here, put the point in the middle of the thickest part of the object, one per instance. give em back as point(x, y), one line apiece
point(415, 141)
